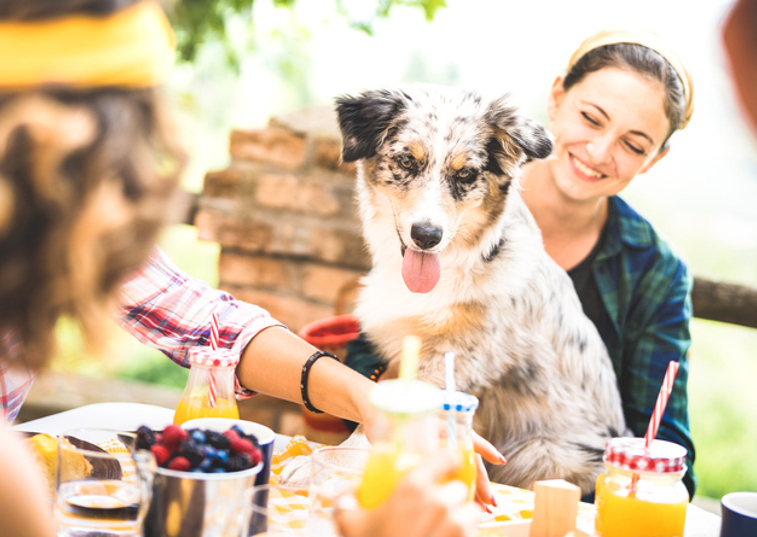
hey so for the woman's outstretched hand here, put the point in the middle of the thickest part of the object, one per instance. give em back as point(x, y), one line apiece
point(485, 450)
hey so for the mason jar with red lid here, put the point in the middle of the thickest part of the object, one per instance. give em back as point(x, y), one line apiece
point(641, 493)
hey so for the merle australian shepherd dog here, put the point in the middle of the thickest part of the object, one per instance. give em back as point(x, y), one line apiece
point(458, 260)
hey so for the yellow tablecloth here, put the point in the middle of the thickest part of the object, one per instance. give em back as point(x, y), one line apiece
point(512, 503)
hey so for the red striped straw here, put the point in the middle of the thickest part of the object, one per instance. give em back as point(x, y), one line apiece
point(662, 401)
point(212, 381)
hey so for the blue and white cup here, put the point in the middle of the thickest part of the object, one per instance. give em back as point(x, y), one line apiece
point(739, 514)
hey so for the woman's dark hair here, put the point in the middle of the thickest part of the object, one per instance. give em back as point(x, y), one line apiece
point(85, 180)
point(639, 59)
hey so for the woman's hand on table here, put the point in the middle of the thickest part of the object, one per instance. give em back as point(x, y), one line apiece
point(424, 504)
point(485, 450)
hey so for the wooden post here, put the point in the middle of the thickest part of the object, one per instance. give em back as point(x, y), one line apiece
point(555, 508)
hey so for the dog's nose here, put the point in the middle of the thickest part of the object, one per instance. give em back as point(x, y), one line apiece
point(425, 236)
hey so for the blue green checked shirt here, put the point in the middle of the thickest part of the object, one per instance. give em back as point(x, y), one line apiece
point(646, 292)
point(643, 318)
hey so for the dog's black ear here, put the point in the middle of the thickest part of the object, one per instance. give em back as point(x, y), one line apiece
point(364, 120)
point(526, 134)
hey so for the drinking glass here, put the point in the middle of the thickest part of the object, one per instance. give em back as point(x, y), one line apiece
point(336, 472)
point(102, 488)
point(276, 510)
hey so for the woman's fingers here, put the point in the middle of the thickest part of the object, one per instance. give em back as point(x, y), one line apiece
point(484, 492)
point(484, 448)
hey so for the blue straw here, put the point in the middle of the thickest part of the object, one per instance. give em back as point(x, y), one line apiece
point(449, 373)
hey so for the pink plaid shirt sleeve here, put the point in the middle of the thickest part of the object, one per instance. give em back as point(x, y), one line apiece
point(164, 308)
point(15, 377)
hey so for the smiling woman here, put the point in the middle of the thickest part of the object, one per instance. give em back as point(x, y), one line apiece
point(612, 114)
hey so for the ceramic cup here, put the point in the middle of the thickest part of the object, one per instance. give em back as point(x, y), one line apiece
point(739, 511)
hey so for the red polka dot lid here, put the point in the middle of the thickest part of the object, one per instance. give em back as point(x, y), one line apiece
point(208, 357)
point(660, 457)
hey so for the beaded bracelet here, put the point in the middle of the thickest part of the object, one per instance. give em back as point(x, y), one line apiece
point(304, 378)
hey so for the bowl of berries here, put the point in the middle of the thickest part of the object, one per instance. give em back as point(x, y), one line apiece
point(203, 470)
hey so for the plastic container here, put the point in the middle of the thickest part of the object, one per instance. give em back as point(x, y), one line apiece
point(209, 366)
point(457, 411)
point(641, 493)
point(404, 430)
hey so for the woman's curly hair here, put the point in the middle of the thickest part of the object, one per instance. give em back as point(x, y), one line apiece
point(85, 180)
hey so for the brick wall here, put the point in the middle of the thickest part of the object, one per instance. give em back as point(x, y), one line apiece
point(285, 216)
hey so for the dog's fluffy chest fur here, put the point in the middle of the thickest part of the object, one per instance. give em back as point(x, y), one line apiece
point(439, 189)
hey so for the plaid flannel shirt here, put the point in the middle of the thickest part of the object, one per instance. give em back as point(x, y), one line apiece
point(646, 292)
point(164, 308)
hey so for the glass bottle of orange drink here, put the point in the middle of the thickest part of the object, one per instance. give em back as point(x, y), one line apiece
point(457, 413)
point(210, 387)
point(641, 494)
point(404, 429)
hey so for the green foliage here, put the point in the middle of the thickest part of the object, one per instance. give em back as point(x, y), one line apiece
point(197, 22)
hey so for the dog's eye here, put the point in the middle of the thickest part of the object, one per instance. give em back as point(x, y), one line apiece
point(465, 175)
point(405, 161)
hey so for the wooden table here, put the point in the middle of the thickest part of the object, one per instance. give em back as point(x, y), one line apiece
point(129, 416)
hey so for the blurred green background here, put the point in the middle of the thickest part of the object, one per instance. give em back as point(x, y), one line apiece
point(284, 55)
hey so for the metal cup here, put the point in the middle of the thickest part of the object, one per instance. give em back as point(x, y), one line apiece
point(193, 504)
point(190, 504)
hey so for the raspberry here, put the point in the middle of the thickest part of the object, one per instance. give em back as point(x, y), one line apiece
point(232, 435)
point(241, 445)
point(179, 463)
point(256, 457)
point(173, 435)
point(161, 453)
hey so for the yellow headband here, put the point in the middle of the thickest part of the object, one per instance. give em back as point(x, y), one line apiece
point(133, 48)
point(650, 40)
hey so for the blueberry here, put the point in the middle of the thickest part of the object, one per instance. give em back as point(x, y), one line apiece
point(206, 465)
point(222, 456)
point(218, 471)
point(198, 436)
point(209, 451)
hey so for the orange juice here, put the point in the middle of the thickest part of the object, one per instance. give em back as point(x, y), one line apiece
point(383, 471)
point(621, 514)
point(198, 407)
point(467, 470)
point(642, 493)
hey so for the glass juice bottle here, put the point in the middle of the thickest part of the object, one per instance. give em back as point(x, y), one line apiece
point(457, 412)
point(210, 387)
point(404, 429)
point(641, 493)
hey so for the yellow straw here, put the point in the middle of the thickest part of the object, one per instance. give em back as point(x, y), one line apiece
point(411, 349)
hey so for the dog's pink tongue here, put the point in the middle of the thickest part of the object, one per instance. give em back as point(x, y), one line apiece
point(421, 271)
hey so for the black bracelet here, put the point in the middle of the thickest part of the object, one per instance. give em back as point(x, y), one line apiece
point(304, 378)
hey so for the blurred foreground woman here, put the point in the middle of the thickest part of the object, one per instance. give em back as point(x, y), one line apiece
point(87, 166)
